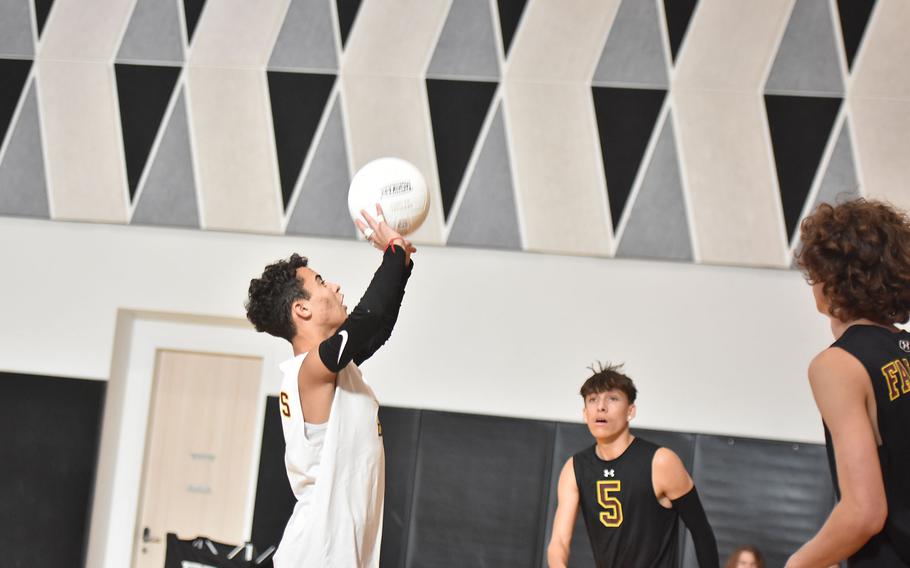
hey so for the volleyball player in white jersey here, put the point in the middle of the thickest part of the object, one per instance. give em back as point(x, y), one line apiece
point(334, 453)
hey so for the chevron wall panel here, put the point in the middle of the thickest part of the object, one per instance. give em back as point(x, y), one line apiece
point(685, 130)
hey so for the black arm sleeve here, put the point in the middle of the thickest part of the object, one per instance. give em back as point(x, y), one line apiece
point(389, 318)
point(692, 513)
point(370, 323)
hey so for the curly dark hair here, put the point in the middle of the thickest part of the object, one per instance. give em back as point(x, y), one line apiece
point(859, 251)
point(608, 378)
point(268, 305)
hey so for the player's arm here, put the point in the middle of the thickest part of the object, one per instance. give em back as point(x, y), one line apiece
point(367, 321)
point(378, 306)
point(564, 520)
point(389, 317)
point(672, 483)
point(383, 237)
point(839, 384)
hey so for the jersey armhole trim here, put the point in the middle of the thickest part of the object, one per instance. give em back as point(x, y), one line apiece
point(303, 422)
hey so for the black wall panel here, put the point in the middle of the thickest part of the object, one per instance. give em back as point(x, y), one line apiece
point(680, 442)
point(774, 495)
point(400, 435)
point(49, 435)
point(274, 498)
point(480, 491)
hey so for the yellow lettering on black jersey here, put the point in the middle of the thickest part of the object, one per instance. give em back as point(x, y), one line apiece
point(611, 516)
point(897, 377)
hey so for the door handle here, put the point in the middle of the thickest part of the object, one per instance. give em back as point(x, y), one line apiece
point(147, 536)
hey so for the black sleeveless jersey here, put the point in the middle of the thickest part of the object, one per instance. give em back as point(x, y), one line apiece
point(626, 524)
point(886, 357)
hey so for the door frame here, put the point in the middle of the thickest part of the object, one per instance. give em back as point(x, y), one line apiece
point(124, 434)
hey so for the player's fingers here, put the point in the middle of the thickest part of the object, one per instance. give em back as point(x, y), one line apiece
point(369, 219)
point(368, 234)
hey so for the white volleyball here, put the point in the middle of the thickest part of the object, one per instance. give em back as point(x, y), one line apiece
point(399, 188)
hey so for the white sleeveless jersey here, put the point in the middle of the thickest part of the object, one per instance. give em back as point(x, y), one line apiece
point(340, 484)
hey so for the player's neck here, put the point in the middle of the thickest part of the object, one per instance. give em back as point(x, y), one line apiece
point(309, 338)
point(304, 344)
point(611, 448)
point(838, 327)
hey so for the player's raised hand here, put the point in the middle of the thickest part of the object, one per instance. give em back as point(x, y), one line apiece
point(380, 234)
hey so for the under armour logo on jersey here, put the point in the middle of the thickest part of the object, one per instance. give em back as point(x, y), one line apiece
point(904, 344)
point(609, 472)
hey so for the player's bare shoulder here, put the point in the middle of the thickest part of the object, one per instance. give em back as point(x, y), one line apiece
point(568, 471)
point(834, 362)
point(666, 461)
point(669, 475)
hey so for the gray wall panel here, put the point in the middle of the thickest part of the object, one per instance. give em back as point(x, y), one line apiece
point(774, 495)
point(479, 487)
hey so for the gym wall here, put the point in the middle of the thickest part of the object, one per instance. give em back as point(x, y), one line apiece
point(49, 434)
point(713, 349)
point(155, 155)
point(487, 483)
point(698, 132)
point(466, 489)
point(695, 131)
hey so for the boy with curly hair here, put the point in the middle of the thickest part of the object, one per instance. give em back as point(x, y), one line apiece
point(856, 256)
point(333, 441)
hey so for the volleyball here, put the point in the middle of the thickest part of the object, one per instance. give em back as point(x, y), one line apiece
point(395, 184)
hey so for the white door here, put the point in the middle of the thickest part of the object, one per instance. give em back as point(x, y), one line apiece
point(201, 435)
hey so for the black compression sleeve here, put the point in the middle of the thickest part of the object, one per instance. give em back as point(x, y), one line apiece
point(389, 318)
point(386, 285)
point(368, 320)
point(693, 514)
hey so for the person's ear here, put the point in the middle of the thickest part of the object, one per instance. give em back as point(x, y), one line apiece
point(300, 309)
